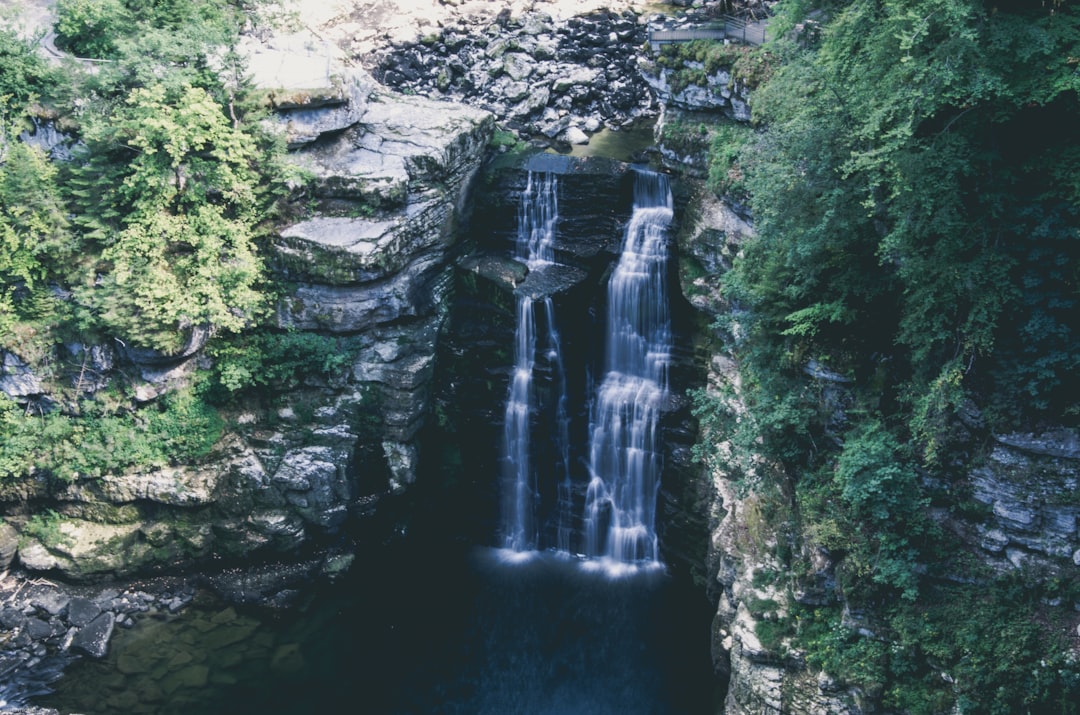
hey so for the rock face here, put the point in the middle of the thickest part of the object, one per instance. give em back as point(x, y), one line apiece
point(370, 264)
point(1025, 484)
point(376, 268)
point(717, 91)
point(1028, 484)
point(560, 78)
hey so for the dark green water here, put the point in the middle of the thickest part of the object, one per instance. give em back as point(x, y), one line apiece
point(421, 629)
point(623, 145)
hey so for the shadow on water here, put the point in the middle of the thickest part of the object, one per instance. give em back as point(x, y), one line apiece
point(415, 630)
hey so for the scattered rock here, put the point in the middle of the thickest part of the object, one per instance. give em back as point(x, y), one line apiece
point(580, 59)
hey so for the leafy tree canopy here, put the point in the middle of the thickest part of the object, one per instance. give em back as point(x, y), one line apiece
point(915, 194)
point(914, 183)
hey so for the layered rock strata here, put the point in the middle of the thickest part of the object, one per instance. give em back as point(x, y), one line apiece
point(369, 264)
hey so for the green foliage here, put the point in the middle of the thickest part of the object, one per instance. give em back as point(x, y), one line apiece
point(168, 190)
point(749, 65)
point(901, 212)
point(841, 651)
point(277, 361)
point(881, 492)
point(34, 237)
point(1023, 667)
point(727, 143)
point(25, 76)
point(112, 29)
point(89, 28)
point(913, 180)
point(46, 529)
point(149, 233)
point(178, 429)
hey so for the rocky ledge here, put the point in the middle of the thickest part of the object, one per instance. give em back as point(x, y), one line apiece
point(370, 264)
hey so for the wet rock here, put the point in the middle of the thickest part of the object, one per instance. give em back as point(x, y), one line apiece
point(81, 611)
point(93, 638)
point(193, 676)
point(287, 658)
point(48, 599)
point(11, 618)
point(272, 585)
point(37, 629)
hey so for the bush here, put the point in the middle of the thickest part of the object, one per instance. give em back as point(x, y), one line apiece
point(274, 360)
point(91, 28)
point(179, 429)
point(26, 74)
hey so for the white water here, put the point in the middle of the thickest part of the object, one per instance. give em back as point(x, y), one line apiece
point(538, 214)
point(624, 449)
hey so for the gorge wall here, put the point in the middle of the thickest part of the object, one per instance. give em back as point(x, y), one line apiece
point(376, 259)
point(369, 267)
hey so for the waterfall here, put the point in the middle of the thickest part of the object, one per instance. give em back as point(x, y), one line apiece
point(519, 483)
point(537, 216)
point(564, 522)
point(624, 449)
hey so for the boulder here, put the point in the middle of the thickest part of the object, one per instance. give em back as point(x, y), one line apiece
point(93, 638)
point(17, 379)
point(9, 544)
point(308, 82)
point(574, 135)
point(82, 611)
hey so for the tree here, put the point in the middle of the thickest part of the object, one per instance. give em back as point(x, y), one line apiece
point(168, 189)
point(34, 238)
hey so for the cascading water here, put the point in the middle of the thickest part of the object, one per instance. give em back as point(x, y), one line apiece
point(519, 483)
point(625, 460)
point(537, 215)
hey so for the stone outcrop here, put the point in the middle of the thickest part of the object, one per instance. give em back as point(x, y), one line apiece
point(763, 677)
point(1028, 484)
point(369, 263)
point(718, 93)
point(709, 240)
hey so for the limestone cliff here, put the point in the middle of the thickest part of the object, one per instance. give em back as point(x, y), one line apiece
point(1022, 519)
point(368, 261)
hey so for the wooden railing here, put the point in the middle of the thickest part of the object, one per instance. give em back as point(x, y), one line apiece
point(730, 28)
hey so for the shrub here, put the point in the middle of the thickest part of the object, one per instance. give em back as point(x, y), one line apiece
point(90, 28)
